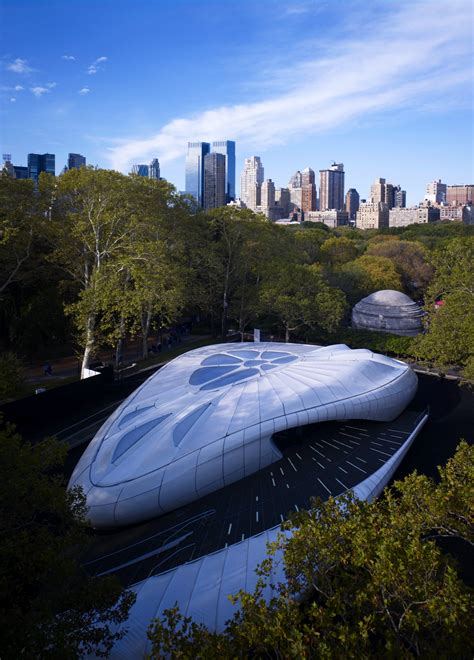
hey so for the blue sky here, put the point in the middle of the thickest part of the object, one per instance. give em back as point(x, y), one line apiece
point(384, 86)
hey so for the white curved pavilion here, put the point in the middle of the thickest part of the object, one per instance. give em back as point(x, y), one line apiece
point(207, 418)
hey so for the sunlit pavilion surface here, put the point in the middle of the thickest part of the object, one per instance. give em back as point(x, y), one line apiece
point(207, 419)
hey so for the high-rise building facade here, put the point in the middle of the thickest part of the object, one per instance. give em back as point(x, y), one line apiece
point(21, 172)
point(75, 161)
point(399, 198)
point(227, 148)
point(331, 188)
point(402, 217)
point(372, 215)
point(194, 176)
point(214, 180)
point(308, 190)
point(154, 169)
point(436, 192)
point(38, 163)
point(352, 203)
point(267, 196)
point(457, 194)
point(282, 200)
point(140, 170)
point(250, 182)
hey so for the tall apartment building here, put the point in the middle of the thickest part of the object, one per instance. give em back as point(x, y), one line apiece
point(214, 181)
point(352, 203)
point(402, 217)
point(331, 188)
point(459, 194)
point(21, 171)
point(308, 190)
point(194, 175)
point(372, 215)
point(436, 192)
point(154, 169)
point(38, 163)
point(282, 200)
point(267, 196)
point(296, 180)
point(227, 148)
point(399, 197)
point(75, 161)
point(460, 213)
point(250, 182)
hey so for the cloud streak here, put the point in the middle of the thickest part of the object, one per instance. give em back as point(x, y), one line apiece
point(39, 90)
point(69, 57)
point(413, 54)
point(84, 91)
point(19, 66)
point(95, 66)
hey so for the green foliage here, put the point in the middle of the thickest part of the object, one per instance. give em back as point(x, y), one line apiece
point(300, 296)
point(365, 275)
point(449, 338)
point(361, 580)
point(49, 607)
point(11, 375)
point(338, 251)
point(410, 259)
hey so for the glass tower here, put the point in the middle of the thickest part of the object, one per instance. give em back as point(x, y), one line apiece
point(227, 147)
point(75, 161)
point(38, 163)
point(194, 184)
point(214, 180)
point(141, 170)
point(154, 169)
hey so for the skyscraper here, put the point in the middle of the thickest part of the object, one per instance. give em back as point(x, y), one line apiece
point(141, 170)
point(308, 190)
point(267, 196)
point(352, 203)
point(154, 169)
point(436, 192)
point(38, 163)
point(399, 197)
point(214, 180)
point(251, 181)
point(195, 170)
point(75, 161)
point(227, 148)
point(331, 188)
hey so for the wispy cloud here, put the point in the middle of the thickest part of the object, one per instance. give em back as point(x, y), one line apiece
point(18, 88)
point(414, 53)
point(68, 57)
point(39, 90)
point(84, 91)
point(95, 66)
point(19, 66)
point(13, 99)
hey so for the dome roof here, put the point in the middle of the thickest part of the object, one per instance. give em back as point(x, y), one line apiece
point(388, 297)
point(388, 311)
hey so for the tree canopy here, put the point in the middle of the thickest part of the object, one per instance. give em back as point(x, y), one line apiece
point(49, 607)
point(362, 580)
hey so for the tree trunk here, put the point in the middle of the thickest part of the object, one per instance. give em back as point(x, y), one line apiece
point(287, 334)
point(145, 323)
point(120, 343)
point(90, 343)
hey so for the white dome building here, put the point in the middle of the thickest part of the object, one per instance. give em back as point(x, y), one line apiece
point(388, 311)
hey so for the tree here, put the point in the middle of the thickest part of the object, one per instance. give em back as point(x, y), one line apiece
point(365, 275)
point(361, 580)
point(49, 607)
point(93, 221)
point(338, 251)
point(411, 259)
point(299, 296)
point(449, 338)
point(20, 217)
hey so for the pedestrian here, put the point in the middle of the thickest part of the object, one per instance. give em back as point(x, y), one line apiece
point(48, 369)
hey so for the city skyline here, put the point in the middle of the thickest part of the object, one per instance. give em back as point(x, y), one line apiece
point(384, 91)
